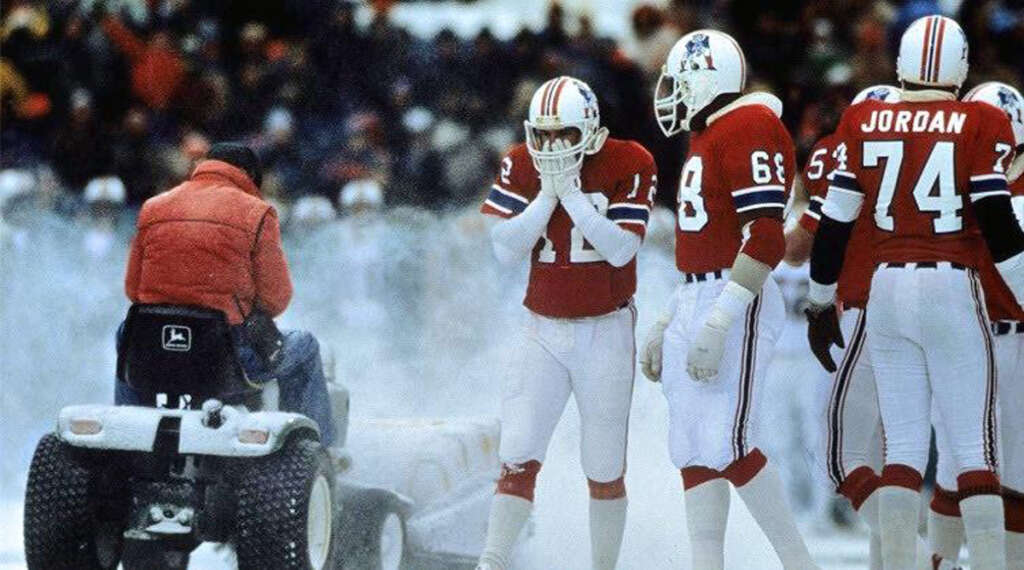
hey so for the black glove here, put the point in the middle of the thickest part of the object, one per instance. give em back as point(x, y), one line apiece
point(822, 332)
point(263, 336)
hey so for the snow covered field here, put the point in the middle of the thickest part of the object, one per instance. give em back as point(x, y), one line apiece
point(417, 313)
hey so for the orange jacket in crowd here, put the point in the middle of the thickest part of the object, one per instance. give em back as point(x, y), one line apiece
point(157, 71)
point(213, 242)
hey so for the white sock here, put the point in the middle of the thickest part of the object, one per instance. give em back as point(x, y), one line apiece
point(945, 535)
point(924, 557)
point(898, 517)
point(875, 551)
point(707, 512)
point(765, 498)
point(985, 532)
point(607, 521)
point(869, 514)
point(508, 515)
point(1014, 550)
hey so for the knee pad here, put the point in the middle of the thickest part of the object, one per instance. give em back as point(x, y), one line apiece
point(697, 475)
point(899, 475)
point(859, 485)
point(945, 502)
point(1013, 502)
point(607, 491)
point(519, 479)
point(741, 471)
point(979, 482)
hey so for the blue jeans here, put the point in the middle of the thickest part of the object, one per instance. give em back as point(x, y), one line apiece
point(299, 375)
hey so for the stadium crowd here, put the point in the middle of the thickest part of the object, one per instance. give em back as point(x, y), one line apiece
point(137, 89)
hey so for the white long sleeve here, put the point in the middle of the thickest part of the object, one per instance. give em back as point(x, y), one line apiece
point(615, 244)
point(514, 238)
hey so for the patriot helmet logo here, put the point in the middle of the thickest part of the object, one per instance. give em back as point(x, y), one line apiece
point(878, 94)
point(698, 53)
point(589, 100)
point(1011, 105)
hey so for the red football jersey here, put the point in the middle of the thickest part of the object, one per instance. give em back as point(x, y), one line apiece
point(568, 278)
point(918, 165)
point(855, 279)
point(745, 160)
point(1001, 304)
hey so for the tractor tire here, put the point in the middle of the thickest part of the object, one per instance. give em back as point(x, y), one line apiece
point(373, 532)
point(287, 517)
point(61, 527)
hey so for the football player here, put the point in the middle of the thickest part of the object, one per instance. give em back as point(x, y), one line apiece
point(853, 442)
point(576, 203)
point(932, 172)
point(945, 527)
point(717, 338)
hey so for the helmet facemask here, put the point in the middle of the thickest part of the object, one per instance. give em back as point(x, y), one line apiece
point(1017, 167)
point(679, 97)
point(559, 148)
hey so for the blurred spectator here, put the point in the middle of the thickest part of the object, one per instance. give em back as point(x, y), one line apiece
point(653, 37)
point(133, 88)
point(157, 68)
point(81, 147)
point(136, 158)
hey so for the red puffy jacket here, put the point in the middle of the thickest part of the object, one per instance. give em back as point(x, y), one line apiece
point(212, 242)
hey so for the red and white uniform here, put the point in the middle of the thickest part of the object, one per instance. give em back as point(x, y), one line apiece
point(743, 161)
point(579, 334)
point(914, 168)
point(853, 436)
point(568, 278)
point(1008, 343)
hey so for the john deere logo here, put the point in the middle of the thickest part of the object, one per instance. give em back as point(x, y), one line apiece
point(177, 338)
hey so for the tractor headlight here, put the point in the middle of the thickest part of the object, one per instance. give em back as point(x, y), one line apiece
point(253, 436)
point(86, 426)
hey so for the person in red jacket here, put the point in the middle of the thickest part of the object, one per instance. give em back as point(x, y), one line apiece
point(157, 68)
point(214, 242)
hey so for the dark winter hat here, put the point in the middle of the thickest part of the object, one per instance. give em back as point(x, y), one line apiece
point(240, 155)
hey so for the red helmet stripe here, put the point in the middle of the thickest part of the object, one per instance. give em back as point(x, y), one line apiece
point(924, 50)
point(544, 97)
point(937, 60)
point(558, 94)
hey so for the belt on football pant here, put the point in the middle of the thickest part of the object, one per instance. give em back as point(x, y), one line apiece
point(702, 277)
point(924, 265)
point(1000, 328)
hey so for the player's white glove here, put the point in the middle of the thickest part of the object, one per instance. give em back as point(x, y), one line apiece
point(559, 184)
point(650, 359)
point(705, 355)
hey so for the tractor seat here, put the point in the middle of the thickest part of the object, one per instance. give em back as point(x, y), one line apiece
point(184, 352)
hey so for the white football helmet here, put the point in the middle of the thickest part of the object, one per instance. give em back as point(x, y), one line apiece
point(933, 52)
point(563, 103)
point(1008, 99)
point(883, 93)
point(700, 67)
